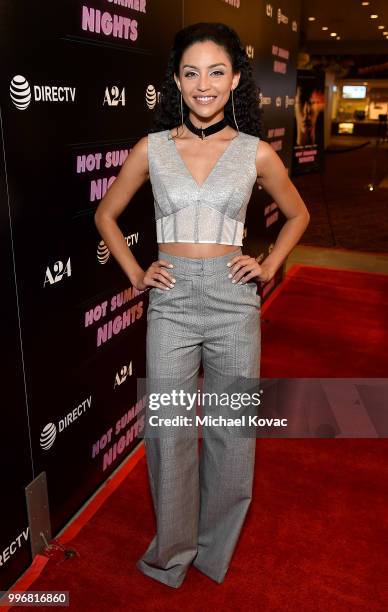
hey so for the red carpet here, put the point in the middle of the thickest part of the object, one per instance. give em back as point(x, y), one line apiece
point(316, 535)
point(326, 323)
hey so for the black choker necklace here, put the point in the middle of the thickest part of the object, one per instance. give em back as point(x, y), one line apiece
point(203, 132)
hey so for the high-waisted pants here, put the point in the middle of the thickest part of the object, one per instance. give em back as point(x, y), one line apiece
point(200, 498)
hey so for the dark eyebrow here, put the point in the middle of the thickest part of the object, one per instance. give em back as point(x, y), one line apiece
point(211, 65)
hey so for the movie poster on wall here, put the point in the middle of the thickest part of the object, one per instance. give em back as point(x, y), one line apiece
point(309, 122)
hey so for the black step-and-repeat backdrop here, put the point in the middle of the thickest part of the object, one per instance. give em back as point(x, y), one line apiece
point(80, 83)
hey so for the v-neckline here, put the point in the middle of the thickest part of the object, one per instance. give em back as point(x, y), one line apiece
point(183, 163)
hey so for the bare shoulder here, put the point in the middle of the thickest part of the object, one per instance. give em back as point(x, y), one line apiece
point(264, 151)
point(138, 157)
point(267, 160)
point(140, 148)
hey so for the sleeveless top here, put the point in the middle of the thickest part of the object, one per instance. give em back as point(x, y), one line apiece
point(212, 212)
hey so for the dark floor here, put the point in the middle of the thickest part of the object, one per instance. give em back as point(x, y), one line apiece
point(344, 212)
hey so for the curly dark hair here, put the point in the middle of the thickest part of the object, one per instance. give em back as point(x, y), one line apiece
point(246, 96)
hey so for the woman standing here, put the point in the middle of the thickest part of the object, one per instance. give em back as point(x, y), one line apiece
point(203, 157)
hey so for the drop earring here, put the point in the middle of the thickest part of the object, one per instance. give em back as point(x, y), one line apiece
point(234, 116)
point(181, 110)
point(181, 105)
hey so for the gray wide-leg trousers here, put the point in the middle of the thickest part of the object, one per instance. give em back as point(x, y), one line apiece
point(200, 499)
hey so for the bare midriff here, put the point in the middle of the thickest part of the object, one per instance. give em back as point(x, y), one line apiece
point(195, 250)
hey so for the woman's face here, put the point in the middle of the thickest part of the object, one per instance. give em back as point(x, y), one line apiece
point(206, 79)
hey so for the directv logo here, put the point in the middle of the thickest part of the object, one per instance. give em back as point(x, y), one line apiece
point(21, 94)
point(49, 431)
point(103, 252)
point(48, 435)
point(151, 96)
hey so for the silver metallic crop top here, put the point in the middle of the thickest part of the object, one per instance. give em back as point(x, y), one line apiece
point(212, 212)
